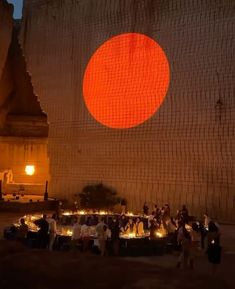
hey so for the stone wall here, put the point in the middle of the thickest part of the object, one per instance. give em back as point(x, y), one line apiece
point(6, 26)
point(17, 152)
point(23, 126)
point(185, 152)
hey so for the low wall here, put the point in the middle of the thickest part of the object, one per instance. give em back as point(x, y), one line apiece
point(30, 207)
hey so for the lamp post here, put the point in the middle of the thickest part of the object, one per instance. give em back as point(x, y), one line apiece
point(46, 192)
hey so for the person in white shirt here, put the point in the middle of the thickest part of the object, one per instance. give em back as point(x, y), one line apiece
point(100, 227)
point(86, 234)
point(76, 233)
point(150, 219)
point(52, 231)
point(102, 235)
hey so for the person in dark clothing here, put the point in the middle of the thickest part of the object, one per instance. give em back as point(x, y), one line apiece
point(213, 246)
point(115, 236)
point(203, 231)
point(123, 205)
point(22, 231)
point(153, 229)
point(43, 237)
point(145, 209)
point(184, 215)
point(122, 223)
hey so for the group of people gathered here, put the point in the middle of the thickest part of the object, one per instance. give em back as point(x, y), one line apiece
point(189, 236)
point(182, 230)
point(106, 228)
point(47, 231)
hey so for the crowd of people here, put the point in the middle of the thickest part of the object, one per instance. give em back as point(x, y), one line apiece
point(187, 234)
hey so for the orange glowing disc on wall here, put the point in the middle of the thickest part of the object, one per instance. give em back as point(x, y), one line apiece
point(126, 80)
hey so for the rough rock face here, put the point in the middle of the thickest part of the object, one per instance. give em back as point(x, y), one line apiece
point(185, 152)
point(23, 126)
point(5, 31)
point(19, 98)
point(6, 26)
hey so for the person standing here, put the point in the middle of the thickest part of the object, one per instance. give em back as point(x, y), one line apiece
point(122, 223)
point(22, 231)
point(52, 231)
point(42, 232)
point(150, 218)
point(184, 214)
point(86, 235)
point(195, 244)
point(115, 236)
point(101, 230)
point(213, 246)
point(145, 209)
point(76, 233)
point(184, 240)
point(153, 229)
point(123, 205)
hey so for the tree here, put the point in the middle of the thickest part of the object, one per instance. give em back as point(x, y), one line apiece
point(98, 197)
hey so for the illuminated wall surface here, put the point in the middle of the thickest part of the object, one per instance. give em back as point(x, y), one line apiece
point(139, 95)
point(126, 80)
point(5, 32)
point(16, 153)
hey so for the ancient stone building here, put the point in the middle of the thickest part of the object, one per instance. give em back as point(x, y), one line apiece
point(23, 125)
point(185, 152)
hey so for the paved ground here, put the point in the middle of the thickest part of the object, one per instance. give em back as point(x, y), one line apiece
point(144, 272)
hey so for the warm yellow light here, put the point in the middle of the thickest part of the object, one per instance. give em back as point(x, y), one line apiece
point(69, 233)
point(30, 170)
point(67, 213)
point(130, 214)
point(159, 235)
point(103, 213)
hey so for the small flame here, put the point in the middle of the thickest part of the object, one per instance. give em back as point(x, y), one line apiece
point(81, 212)
point(66, 213)
point(159, 234)
point(69, 233)
point(130, 214)
point(103, 213)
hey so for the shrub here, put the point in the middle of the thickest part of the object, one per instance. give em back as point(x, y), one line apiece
point(98, 197)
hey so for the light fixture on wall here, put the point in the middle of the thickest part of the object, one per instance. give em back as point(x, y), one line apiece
point(30, 170)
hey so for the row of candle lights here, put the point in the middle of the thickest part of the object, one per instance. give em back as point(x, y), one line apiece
point(63, 231)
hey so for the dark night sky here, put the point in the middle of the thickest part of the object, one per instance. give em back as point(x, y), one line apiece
point(18, 8)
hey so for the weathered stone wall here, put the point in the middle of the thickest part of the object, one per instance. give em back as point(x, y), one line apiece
point(185, 152)
point(16, 153)
point(6, 26)
point(23, 126)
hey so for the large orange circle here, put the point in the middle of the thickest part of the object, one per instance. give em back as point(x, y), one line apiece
point(126, 80)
